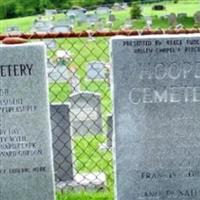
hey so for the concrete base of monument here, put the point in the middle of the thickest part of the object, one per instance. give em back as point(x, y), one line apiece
point(86, 181)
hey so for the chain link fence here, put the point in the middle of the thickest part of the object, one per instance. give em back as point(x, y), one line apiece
point(80, 104)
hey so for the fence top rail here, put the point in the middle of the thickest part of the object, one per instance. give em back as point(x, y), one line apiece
point(86, 34)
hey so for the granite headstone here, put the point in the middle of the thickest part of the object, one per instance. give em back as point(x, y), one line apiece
point(26, 158)
point(57, 73)
point(85, 113)
point(156, 117)
point(96, 70)
point(62, 148)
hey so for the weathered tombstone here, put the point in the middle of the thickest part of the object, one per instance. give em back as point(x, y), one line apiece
point(13, 30)
point(172, 20)
point(85, 115)
point(81, 18)
point(92, 18)
point(25, 149)
point(62, 148)
point(49, 12)
point(197, 17)
point(76, 12)
point(156, 116)
point(96, 70)
point(117, 7)
point(61, 28)
point(41, 26)
point(57, 73)
point(102, 10)
point(124, 5)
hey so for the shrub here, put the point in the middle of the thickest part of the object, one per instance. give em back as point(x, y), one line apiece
point(158, 7)
point(136, 11)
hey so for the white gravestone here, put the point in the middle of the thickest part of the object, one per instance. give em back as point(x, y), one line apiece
point(156, 117)
point(85, 115)
point(96, 70)
point(26, 158)
point(57, 73)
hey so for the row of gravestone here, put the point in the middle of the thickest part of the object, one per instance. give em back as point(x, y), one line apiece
point(99, 10)
point(62, 143)
point(96, 70)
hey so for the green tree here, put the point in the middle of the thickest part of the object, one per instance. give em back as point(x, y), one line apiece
point(136, 11)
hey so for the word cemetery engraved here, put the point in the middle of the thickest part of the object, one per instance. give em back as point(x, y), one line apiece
point(156, 117)
point(26, 161)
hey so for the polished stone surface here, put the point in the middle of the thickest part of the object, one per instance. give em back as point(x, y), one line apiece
point(26, 161)
point(62, 147)
point(156, 117)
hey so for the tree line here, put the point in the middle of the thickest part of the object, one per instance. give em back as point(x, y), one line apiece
point(21, 8)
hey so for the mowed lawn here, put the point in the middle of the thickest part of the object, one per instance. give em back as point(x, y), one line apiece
point(183, 6)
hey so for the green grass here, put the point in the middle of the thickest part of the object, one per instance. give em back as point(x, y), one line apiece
point(85, 196)
point(189, 7)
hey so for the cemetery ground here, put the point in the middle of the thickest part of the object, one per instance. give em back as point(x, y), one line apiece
point(87, 162)
point(189, 7)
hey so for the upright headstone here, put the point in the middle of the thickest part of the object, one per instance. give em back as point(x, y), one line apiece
point(102, 10)
point(92, 18)
point(49, 12)
point(62, 148)
point(96, 70)
point(41, 26)
point(85, 115)
point(13, 30)
point(57, 73)
point(61, 28)
point(156, 117)
point(26, 157)
point(172, 20)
